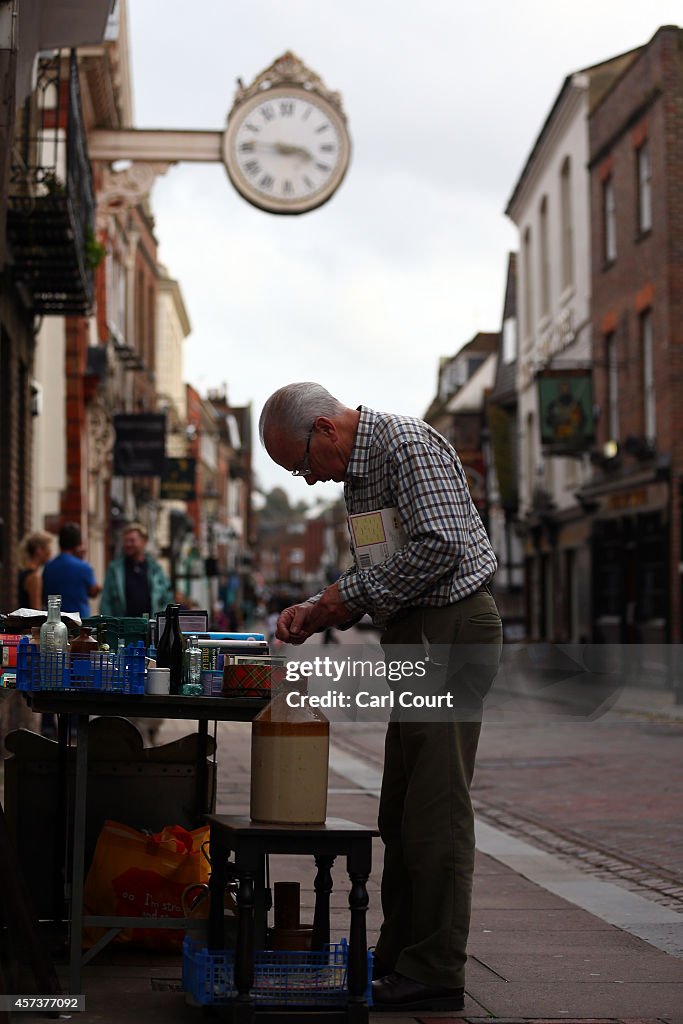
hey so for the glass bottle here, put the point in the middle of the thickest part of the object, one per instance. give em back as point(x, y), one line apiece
point(170, 647)
point(54, 643)
point(35, 636)
point(192, 669)
point(54, 636)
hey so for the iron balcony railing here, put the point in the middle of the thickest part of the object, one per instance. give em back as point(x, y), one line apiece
point(51, 209)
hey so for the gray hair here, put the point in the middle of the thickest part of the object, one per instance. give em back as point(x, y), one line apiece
point(294, 408)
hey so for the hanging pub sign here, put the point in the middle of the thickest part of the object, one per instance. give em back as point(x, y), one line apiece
point(178, 481)
point(565, 411)
point(475, 470)
point(140, 445)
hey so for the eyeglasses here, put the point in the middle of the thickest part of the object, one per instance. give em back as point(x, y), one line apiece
point(305, 469)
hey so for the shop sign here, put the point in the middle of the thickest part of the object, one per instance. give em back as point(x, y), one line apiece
point(178, 481)
point(475, 470)
point(565, 411)
point(140, 445)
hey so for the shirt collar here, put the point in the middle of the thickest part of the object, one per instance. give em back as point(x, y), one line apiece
point(360, 453)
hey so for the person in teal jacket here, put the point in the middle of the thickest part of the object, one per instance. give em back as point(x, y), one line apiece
point(134, 583)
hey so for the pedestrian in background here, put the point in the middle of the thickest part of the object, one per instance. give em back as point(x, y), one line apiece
point(135, 584)
point(34, 551)
point(432, 590)
point(69, 574)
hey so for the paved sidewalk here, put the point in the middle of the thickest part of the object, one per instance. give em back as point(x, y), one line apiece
point(533, 955)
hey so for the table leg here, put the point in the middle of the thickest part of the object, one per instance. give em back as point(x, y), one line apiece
point(244, 950)
point(217, 883)
point(78, 862)
point(321, 915)
point(202, 806)
point(61, 840)
point(358, 865)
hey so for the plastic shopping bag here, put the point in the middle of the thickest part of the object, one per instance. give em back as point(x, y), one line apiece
point(134, 874)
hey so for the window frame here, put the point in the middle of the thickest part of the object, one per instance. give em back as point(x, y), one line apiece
point(609, 221)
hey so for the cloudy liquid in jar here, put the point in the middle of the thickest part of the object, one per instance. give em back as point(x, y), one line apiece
point(289, 764)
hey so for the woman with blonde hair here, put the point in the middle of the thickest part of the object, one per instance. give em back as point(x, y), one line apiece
point(34, 551)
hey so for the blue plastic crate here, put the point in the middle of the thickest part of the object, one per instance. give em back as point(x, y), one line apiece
point(96, 673)
point(310, 979)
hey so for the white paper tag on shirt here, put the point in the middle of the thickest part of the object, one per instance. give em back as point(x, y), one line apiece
point(376, 536)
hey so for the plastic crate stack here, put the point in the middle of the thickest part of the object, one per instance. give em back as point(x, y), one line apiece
point(100, 672)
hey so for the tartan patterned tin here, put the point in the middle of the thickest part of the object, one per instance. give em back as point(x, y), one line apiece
point(246, 680)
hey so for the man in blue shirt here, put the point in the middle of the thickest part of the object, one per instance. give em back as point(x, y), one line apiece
point(69, 575)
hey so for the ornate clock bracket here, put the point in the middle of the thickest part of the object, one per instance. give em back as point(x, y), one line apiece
point(123, 189)
point(287, 70)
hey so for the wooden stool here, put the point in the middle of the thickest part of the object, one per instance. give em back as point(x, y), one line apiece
point(251, 842)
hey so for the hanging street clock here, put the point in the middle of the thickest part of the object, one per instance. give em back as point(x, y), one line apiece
point(286, 147)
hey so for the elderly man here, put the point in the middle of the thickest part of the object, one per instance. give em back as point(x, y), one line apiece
point(134, 583)
point(431, 591)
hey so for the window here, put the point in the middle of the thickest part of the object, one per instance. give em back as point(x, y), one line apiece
point(509, 339)
point(646, 339)
point(473, 364)
point(527, 284)
point(544, 258)
point(566, 226)
point(644, 188)
point(116, 295)
point(609, 221)
point(612, 388)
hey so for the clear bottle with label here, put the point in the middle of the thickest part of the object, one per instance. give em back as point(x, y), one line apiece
point(54, 643)
point(54, 636)
point(192, 669)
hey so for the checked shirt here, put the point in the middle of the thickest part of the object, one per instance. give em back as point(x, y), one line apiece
point(401, 462)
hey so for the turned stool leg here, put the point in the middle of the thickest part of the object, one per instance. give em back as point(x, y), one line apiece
point(321, 914)
point(244, 950)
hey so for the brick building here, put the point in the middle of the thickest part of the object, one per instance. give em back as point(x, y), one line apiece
point(46, 228)
point(634, 496)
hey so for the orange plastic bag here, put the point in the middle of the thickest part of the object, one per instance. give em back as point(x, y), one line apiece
point(134, 874)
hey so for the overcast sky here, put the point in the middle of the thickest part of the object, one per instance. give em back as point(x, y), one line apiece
point(444, 100)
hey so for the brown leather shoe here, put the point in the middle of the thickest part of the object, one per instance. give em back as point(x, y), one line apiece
point(396, 992)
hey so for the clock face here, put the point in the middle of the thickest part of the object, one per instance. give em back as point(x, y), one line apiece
point(286, 149)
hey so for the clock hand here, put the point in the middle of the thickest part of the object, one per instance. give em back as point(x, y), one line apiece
point(284, 148)
point(287, 150)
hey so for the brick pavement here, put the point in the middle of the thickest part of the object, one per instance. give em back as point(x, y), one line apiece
point(615, 784)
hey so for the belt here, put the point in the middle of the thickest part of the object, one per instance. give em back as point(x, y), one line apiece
point(483, 589)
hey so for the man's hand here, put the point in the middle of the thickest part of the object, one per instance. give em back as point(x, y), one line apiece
point(300, 621)
point(292, 625)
